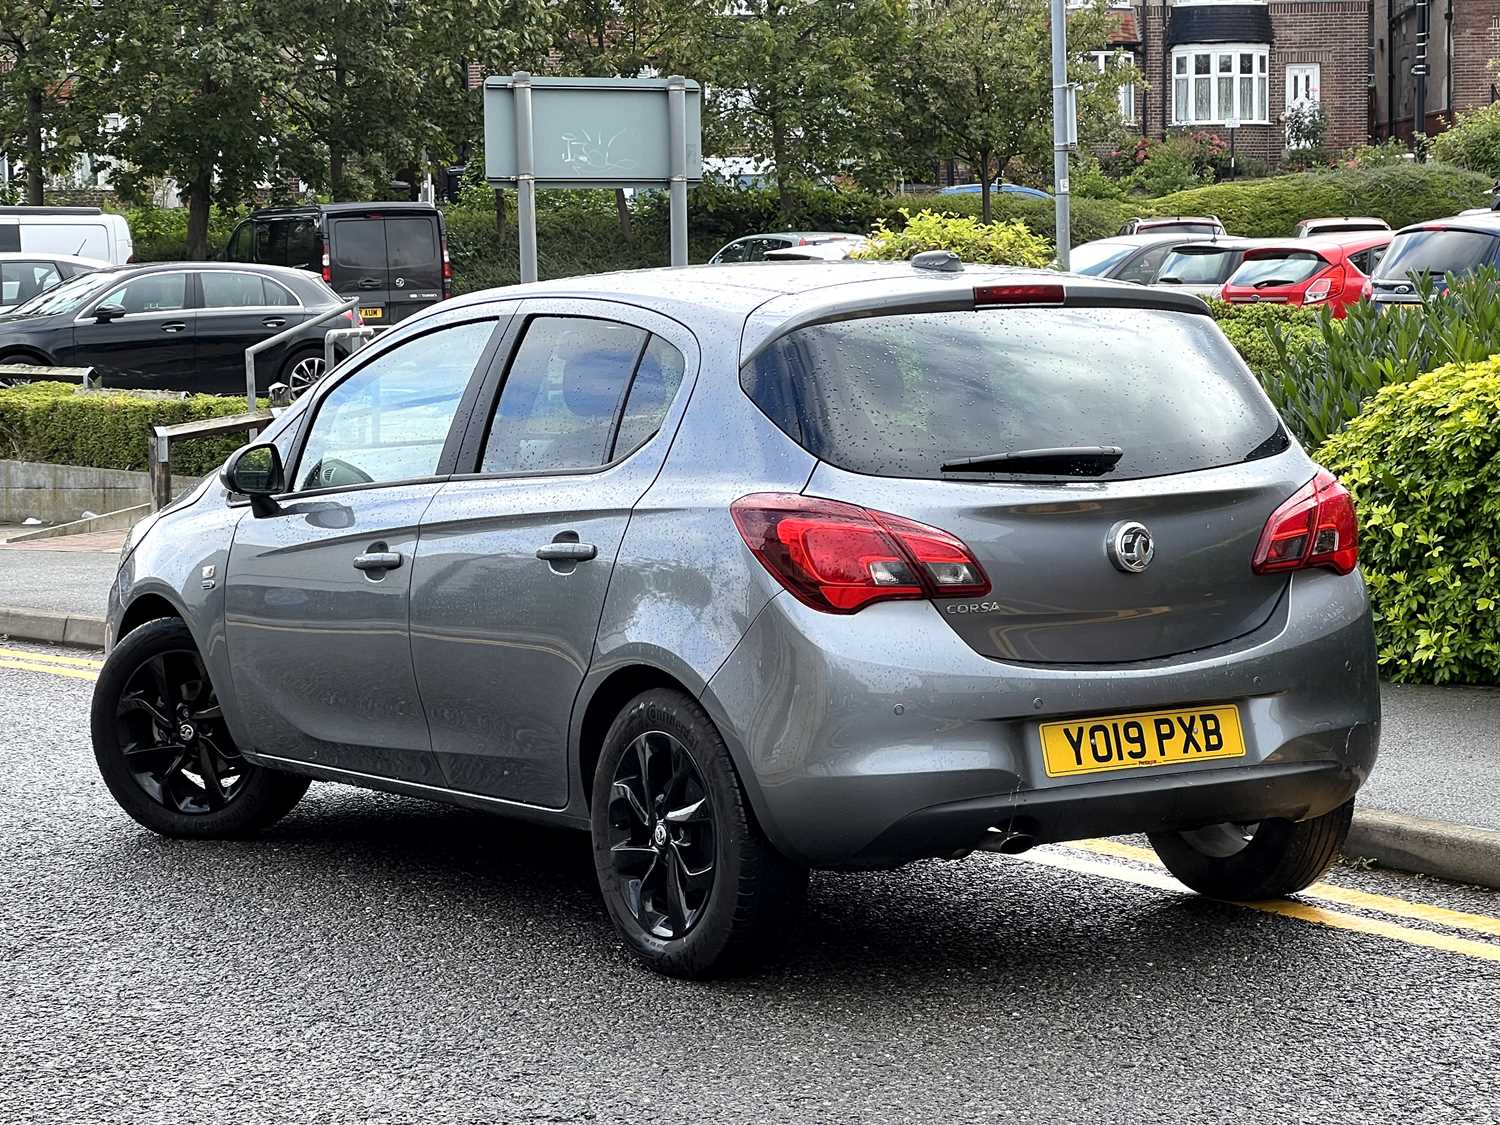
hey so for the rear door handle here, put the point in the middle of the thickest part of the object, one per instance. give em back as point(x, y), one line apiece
point(567, 552)
point(377, 560)
point(369, 283)
point(273, 321)
point(174, 326)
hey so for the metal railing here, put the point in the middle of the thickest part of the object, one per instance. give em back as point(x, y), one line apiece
point(84, 376)
point(280, 338)
point(162, 437)
point(335, 336)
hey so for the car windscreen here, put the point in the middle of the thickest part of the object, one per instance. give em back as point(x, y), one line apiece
point(1097, 259)
point(1284, 267)
point(1434, 252)
point(68, 297)
point(902, 395)
point(1203, 267)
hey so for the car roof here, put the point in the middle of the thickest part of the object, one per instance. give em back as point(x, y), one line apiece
point(795, 234)
point(1343, 219)
point(1484, 223)
point(759, 301)
point(45, 256)
point(1146, 238)
point(300, 281)
point(343, 208)
point(1227, 242)
point(1147, 220)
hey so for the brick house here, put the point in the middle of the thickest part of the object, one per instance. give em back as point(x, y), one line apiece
point(1208, 63)
point(1462, 49)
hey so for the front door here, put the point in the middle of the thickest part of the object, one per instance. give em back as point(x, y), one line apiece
point(149, 346)
point(317, 595)
point(515, 559)
point(1302, 90)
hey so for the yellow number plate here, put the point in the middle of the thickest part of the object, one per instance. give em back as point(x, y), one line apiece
point(372, 314)
point(1154, 738)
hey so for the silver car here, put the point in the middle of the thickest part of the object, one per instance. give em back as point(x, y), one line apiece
point(748, 572)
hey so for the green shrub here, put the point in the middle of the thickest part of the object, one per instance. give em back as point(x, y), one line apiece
point(1423, 463)
point(160, 233)
point(1319, 385)
point(1473, 142)
point(53, 422)
point(1400, 194)
point(1249, 330)
point(1380, 155)
point(1002, 243)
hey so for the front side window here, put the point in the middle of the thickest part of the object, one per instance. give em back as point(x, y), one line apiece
point(154, 293)
point(1191, 268)
point(902, 395)
point(558, 405)
point(389, 420)
point(1220, 85)
point(1142, 271)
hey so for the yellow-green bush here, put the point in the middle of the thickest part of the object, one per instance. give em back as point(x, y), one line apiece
point(1423, 462)
point(1001, 243)
point(52, 422)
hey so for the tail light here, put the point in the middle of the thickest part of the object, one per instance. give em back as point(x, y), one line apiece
point(327, 264)
point(1366, 290)
point(1042, 294)
point(1322, 287)
point(447, 272)
point(1314, 528)
point(839, 558)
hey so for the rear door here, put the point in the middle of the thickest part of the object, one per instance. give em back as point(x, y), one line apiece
point(888, 401)
point(238, 310)
point(357, 260)
point(414, 261)
point(515, 557)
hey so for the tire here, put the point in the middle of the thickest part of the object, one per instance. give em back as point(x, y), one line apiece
point(164, 751)
point(1272, 859)
point(688, 815)
point(302, 369)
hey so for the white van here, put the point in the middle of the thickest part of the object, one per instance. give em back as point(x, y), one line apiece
point(78, 232)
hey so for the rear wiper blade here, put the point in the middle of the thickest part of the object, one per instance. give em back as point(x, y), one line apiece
point(1066, 460)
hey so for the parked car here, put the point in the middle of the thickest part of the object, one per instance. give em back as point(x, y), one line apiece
point(1174, 224)
point(1330, 269)
point(835, 251)
point(24, 276)
point(747, 572)
point(1308, 228)
point(75, 232)
point(998, 188)
point(755, 247)
point(181, 326)
point(392, 256)
point(1459, 245)
point(1202, 268)
point(1126, 257)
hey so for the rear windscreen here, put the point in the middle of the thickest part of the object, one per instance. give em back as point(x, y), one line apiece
point(1280, 269)
point(359, 243)
point(1434, 251)
point(900, 396)
point(411, 242)
point(1202, 268)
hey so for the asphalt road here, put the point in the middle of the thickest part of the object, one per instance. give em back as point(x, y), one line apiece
point(58, 581)
point(1439, 754)
point(380, 959)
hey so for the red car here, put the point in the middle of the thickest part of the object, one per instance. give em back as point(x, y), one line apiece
point(1330, 269)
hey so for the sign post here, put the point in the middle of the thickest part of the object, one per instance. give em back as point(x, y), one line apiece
point(592, 133)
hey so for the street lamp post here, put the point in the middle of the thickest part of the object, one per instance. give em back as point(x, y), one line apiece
point(1233, 125)
point(1064, 130)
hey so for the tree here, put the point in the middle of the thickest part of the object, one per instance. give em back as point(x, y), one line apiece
point(40, 42)
point(191, 79)
point(981, 83)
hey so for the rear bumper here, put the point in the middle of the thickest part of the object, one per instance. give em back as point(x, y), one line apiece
point(873, 739)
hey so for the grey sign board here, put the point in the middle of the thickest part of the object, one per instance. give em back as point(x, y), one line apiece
point(590, 132)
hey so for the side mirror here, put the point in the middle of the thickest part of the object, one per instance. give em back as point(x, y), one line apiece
point(255, 471)
point(105, 313)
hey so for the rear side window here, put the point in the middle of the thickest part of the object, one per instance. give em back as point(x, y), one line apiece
point(651, 393)
point(359, 244)
point(411, 242)
point(232, 290)
point(899, 396)
point(1203, 268)
point(1282, 269)
point(1435, 252)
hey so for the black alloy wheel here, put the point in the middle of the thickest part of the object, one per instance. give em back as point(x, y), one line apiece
point(172, 735)
point(662, 835)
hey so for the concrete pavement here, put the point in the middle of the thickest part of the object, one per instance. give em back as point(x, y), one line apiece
point(373, 958)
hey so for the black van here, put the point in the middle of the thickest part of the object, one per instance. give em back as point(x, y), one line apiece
point(392, 256)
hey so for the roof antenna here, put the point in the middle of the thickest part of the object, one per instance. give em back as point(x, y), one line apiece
point(943, 261)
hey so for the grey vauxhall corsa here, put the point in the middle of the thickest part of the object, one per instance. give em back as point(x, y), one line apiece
point(752, 570)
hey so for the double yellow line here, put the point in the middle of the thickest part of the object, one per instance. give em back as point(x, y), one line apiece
point(70, 667)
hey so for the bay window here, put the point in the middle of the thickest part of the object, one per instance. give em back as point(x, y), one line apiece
point(1219, 83)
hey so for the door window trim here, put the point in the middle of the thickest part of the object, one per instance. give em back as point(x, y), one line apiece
point(204, 306)
point(190, 294)
point(501, 317)
point(476, 436)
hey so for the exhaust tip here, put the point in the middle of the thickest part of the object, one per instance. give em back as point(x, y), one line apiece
point(1009, 843)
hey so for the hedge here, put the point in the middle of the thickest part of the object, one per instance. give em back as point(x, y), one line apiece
point(1423, 463)
point(53, 422)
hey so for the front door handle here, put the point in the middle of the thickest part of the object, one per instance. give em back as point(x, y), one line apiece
point(174, 326)
point(377, 560)
point(567, 552)
point(273, 321)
